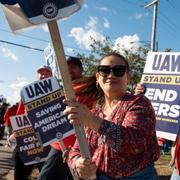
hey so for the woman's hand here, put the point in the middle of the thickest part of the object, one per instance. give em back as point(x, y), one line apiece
point(140, 89)
point(11, 139)
point(78, 113)
point(85, 168)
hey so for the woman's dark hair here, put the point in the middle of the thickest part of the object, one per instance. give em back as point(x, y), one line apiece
point(112, 53)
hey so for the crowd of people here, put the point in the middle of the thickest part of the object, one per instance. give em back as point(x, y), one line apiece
point(120, 128)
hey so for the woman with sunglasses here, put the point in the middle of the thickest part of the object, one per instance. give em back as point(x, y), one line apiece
point(120, 129)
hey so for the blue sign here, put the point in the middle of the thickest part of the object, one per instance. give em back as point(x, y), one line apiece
point(162, 78)
point(28, 143)
point(43, 101)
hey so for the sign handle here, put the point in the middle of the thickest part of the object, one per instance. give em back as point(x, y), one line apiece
point(67, 84)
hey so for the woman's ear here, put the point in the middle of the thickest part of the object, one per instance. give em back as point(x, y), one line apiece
point(129, 77)
point(97, 76)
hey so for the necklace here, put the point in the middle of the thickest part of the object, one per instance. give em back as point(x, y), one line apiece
point(107, 111)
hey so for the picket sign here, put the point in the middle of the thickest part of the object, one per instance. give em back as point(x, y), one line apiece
point(67, 84)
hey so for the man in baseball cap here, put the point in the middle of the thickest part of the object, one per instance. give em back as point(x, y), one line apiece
point(44, 72)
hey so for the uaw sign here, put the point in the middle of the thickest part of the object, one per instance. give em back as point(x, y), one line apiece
point(162, 78)
point(29, 145)
point(43, 101)
point(42, 11)
point(50, 59)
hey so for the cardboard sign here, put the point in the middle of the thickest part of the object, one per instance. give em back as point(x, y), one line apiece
point(30, 147)
point(162, 78)
point(43, 101)
point(42, 11)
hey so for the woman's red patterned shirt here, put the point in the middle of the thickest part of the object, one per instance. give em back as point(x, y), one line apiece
point(126, 142)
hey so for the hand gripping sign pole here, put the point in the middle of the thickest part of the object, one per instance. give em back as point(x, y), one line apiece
point(66, 79)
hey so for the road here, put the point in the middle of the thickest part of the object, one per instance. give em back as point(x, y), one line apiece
point(6, 162)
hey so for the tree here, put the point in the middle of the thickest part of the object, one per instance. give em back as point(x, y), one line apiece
point(136, 59)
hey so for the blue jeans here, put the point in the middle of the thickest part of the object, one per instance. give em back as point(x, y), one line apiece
point(166, 146)
point(148, 173)
point(54, 168)
point(175, 175)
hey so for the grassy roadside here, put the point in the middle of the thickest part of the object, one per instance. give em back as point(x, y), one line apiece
point(162, 166)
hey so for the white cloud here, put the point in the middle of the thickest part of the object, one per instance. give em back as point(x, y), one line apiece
point(69, 50)
point(83, 36)
point(16, 87)
point(139, 16)
point(44, 27)
point(127, 43)
point(92, 23)
point(102, 8)
point(8, 53)
point(106, 23)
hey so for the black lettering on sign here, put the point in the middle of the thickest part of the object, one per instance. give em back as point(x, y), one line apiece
point(39, 88)
point(22, 121)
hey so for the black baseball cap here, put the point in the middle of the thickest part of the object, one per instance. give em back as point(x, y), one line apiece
point(74, 60)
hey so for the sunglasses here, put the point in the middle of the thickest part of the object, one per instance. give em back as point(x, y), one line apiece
point(118, 70)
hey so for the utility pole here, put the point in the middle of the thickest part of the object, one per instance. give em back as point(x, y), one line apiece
point(153, 37)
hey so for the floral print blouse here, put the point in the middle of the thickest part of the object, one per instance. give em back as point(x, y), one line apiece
point(125, 142)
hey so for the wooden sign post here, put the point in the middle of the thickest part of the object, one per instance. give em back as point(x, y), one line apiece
point(67, 84)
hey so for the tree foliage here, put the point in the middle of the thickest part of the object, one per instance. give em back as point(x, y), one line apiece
point(136, 59)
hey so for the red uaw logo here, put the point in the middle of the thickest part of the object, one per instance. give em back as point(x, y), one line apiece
point(50, 10)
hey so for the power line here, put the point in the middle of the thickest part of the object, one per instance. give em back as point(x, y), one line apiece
point(23, 46)
point(172, 25)
point(38, 39)
point(27, 36)
point(173, 6)
point(167, 25)
point(20, 45)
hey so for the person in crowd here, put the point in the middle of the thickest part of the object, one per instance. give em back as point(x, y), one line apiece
point(3, 108)
point(21, 171)
point(11, 111)
point(166, 145)
point(120, 128)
